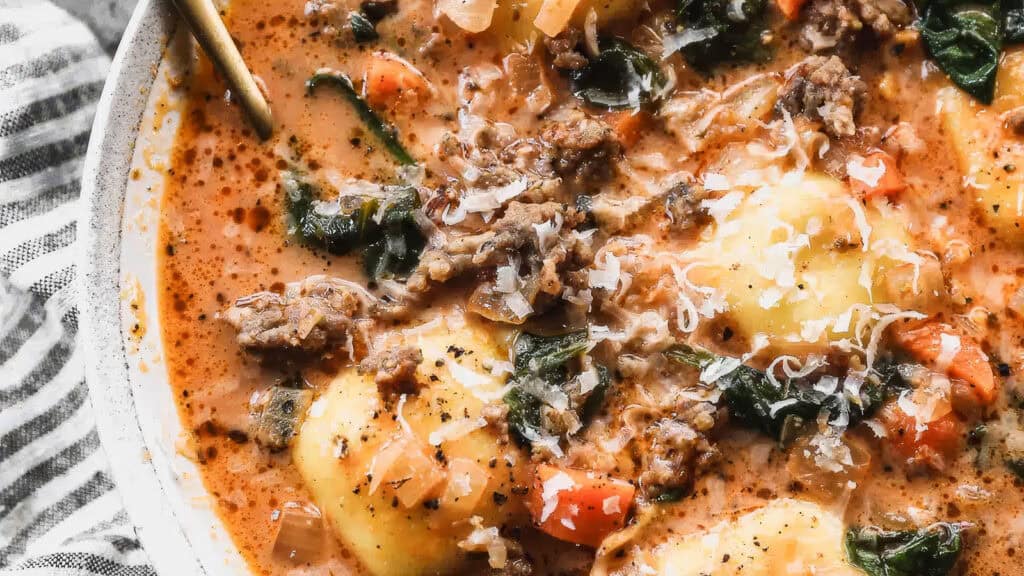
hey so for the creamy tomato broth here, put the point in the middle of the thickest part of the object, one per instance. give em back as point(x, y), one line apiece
point(609, 288)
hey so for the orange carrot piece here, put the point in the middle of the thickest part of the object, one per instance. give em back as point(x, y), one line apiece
point(628, 126)
point(941, 435)
point(969, 364)
point(389, 78)
point(579, 506)
point(889, 184)
point(790, 8)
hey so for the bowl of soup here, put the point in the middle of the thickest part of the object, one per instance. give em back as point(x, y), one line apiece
point(563, 287)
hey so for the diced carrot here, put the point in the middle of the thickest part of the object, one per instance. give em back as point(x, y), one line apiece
point(628, 126)
point(790, 8)
point(970, 363)
point(577, 505)
point(389, 78)
point(941, 435)
point(889, 183)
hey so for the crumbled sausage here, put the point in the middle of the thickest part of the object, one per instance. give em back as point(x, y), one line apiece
point(562, 48)
point(884, 16)
point(581, 152)
point(824, 89)
point(394, 369)
point(310, 316)
point(514, 234)
point(832, 24)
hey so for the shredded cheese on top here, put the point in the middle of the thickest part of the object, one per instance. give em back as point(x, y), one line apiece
point(550, 490)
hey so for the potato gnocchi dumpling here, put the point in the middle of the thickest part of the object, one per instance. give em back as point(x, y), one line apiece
point(990, 161)
point(791, 261)
point(396, 491)
point(785, 538)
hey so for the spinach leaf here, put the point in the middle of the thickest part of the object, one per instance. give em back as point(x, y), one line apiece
point(619, 77)
point(757, 402)
point(384, 228)
point(275, 418)
point(542, 370)
point(385, 133)
point(523, 415)
point(931, 551)
point(1013, 20)
point(1016, 466)
point(965, 40)
point(377, 10)
point(362, 27)
point(711, 32)
point(546, 356)
point(397, 251)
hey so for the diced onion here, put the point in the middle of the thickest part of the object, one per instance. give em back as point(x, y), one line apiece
point(554, 16)
point(467, 482)
point(488, 540)
point(301, 535)
point(471, 15)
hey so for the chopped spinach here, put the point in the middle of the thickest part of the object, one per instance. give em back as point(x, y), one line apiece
point(757, 402)
point(619, 77)
point(542, 369)
point(546, 356)
point(383, 228)
point(965, 40)
point(1016, 466)
point(669, 496)
point(363, 29)
point(385, 133)
point(931, 551)
point(710, 32)
point(1013, 20)
point(523, 415)
point(400, 241)
point(275, 419)
point(377, 10)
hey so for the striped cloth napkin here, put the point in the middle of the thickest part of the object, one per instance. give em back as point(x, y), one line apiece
point(60, 512)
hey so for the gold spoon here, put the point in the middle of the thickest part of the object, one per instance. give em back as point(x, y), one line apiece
point(209, 30)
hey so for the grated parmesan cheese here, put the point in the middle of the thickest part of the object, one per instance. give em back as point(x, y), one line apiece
point(550, 490)
point(484, 201)
point(721, 208)
point(608, 275)
point(455, 429)
point(949, 346)
point(518, 304)
point(610, 505)
point(506, 279)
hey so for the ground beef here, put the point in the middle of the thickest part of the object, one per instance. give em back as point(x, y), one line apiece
point(512, 240)
point(902, 140)
point(823, 89)
point(683, 205)
point(674, 451)
point(884, 17)
point(833, 24)
point(581, 152)
point(514, 234)
point(563, 50)
point(394, 369)
point(311, 316)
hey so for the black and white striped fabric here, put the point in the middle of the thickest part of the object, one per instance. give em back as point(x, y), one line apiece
point(60, 512)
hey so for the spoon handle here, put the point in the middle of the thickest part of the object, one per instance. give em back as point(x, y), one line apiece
point(213, 36)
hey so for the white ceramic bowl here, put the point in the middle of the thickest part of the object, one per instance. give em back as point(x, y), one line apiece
point(136, 417)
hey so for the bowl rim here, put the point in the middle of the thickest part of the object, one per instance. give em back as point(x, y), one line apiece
point(141, 484)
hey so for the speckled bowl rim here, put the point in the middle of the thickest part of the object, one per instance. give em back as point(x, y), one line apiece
point(146, 481)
